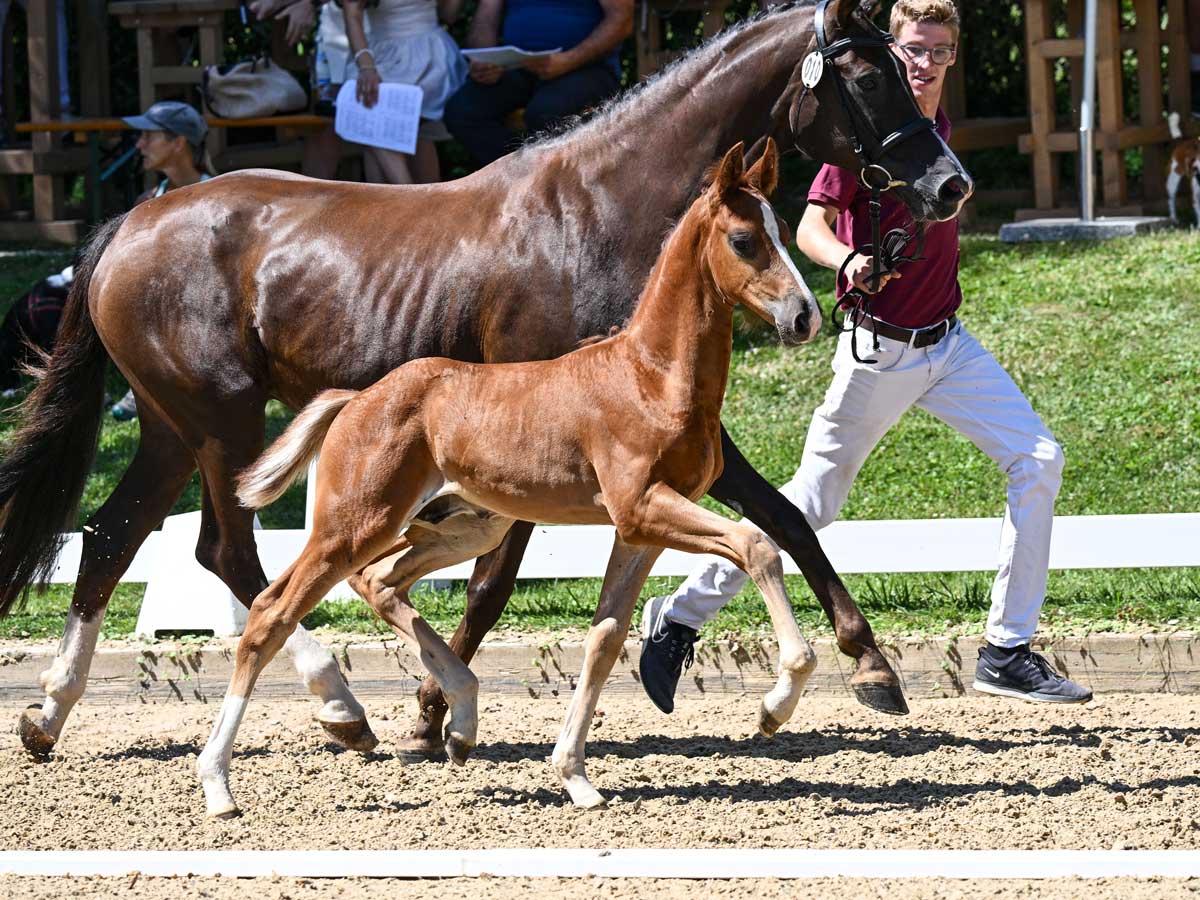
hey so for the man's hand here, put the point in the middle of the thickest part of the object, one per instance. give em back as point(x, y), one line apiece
point(859, 273)
point(485, 73)
point(552, 65)
point(367, 87)
point(300, 18)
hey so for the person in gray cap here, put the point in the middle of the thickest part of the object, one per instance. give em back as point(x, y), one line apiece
point(171, 142)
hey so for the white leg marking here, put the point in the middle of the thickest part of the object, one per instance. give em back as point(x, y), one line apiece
point(65, 680)
point(212, 766)
point(1173, 180)
point(322, 677)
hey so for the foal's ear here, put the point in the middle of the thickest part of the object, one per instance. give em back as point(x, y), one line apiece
point(764, 174)
point(729, 171)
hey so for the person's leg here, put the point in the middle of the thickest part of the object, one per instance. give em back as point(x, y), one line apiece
point(975, 396)
point(476, 114)
point(568, 95)
point(861, 404)
point(425, 166)
point(1193, 31)
point(321, 153)
point(393, 164)
point(64, 84)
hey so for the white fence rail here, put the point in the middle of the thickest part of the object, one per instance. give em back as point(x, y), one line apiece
point(181, 595)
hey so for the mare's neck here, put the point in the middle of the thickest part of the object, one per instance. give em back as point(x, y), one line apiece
point(667, 133)
point(682, 329)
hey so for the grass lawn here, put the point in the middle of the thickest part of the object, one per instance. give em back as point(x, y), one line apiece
point(1101, 338)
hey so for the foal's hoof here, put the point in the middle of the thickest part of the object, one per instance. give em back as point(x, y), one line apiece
point(224, 811)
point(767, 723)
point(884, 698)
point(354, 735)
point(418, 750)
point(36, 741)
point(458, 749)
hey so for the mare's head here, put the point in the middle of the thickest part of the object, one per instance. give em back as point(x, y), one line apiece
point(860, 93)
point(746, 247)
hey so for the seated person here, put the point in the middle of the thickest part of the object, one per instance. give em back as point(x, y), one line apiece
point(171, 142)
point(549, 88)
point(31, 322)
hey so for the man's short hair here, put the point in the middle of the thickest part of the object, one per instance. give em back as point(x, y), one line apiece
point(935, 12)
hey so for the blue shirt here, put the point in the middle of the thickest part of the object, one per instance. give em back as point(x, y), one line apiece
point(547, 24)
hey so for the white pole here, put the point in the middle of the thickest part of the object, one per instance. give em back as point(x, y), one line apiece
point(1087, 116)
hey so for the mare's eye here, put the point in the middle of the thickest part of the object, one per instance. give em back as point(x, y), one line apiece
point(868, 82)
point(742, 244)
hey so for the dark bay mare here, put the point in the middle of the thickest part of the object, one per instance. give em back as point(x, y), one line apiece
point(217, 297)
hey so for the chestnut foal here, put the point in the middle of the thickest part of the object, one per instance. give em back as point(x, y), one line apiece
point(624, 430)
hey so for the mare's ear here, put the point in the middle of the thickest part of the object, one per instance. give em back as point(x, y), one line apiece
point(729, 171)
point(764, 174)
point(841, 12)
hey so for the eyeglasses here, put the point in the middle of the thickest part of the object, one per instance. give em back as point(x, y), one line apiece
point(939, 55)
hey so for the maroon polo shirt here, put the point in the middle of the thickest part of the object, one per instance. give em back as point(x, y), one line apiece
point(928, 292)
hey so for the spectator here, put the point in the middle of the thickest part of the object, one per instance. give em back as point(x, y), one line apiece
point(406, 46)
point(171, 142)
point(549, 88)
point(31, 322)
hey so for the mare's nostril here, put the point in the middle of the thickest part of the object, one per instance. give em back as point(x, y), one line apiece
point(800, 326)
point(953, 189)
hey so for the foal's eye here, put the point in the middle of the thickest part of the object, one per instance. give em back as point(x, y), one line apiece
point(742, 244)
point(868, 82)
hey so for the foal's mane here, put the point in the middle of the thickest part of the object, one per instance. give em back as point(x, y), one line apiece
point(614, 111)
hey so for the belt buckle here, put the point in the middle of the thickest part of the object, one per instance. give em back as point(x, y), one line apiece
point(927, 337)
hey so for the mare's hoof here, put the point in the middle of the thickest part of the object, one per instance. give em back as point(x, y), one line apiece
point(884, 698)
point(458, 750)
point(36, 741)
point(354, 735)
point(767, 723)
point(418, 750)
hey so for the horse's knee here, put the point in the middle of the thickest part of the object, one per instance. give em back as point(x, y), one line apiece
point(799, 661)
point(606, 638)
point(762, 559)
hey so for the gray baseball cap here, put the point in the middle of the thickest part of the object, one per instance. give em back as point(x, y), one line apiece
point(169, 115)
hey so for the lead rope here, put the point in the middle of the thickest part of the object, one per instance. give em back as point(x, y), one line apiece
point(886, 255)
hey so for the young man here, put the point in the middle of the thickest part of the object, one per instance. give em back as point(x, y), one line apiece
point(926, 358)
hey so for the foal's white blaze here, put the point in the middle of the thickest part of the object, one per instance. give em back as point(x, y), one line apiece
point(65, 680)
point(212, 766)
point(814, 310)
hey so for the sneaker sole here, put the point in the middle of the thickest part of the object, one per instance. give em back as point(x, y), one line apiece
point(985, 688)
point(647, 618)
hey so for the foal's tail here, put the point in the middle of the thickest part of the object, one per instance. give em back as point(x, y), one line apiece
point(46, 463)
point(286, 459)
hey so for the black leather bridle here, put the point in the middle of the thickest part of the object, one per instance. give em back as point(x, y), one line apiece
point(885, 252)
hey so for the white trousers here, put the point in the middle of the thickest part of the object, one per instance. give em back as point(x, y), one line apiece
point(961, 384)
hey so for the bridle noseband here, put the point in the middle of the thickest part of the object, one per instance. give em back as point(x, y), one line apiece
point(886, 253)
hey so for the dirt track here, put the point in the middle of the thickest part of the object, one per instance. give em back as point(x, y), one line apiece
point(964, 773)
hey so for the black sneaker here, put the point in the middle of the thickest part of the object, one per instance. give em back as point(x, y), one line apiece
point(667, 649)
point(1021, 673)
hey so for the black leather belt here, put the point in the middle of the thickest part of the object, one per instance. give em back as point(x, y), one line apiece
point(914, 337)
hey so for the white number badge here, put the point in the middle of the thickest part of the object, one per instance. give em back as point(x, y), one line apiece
point(812, 69)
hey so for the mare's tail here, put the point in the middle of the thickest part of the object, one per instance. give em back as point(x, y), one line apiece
point(46, 463)
point(287, 458)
